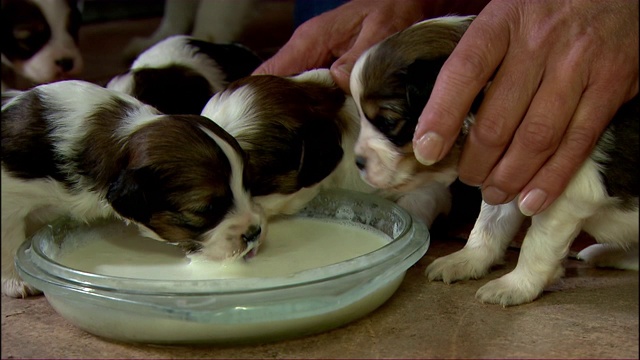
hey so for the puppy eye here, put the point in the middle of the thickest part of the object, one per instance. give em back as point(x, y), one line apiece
point(21, 34)
point(390, 123)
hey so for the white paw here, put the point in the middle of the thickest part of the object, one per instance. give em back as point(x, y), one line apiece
point(605, 255)
point(509, 290)
point(461, 265)
point(17, 288)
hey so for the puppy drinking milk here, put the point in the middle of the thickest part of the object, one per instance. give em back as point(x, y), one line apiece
point(391, 82)
point(40, 40)
point(76, 148)
point(299, 133)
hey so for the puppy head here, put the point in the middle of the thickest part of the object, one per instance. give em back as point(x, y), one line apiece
point(291, 129)
point(39, 38)
point(391, 84)
point(182, 179)
point(180, 74)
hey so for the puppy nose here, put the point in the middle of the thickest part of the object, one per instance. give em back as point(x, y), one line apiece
point(252, 234)
point(361, 162)
point(66, 64)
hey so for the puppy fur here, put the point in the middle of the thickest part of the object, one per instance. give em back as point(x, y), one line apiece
point(299, 133)
point(39, 40)
point(181, 73)
point(75, 148)
point(293, 131)
point(391, 83)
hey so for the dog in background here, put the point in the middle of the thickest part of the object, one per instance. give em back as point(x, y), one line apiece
point(391, 83)
point(219, 21)
point(75, 148)
point(40, 41)
point(180, 74)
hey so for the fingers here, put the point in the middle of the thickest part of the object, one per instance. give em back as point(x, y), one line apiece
point(465, 73)
point(299, 54)
point(589, 120)
point(369, 35)
point(534, 141)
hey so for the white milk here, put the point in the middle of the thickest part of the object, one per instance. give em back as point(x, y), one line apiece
point(292, 245)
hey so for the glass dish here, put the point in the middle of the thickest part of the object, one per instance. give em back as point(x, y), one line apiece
point(240, 310)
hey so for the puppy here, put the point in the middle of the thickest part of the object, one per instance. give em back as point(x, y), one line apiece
point(181, 73)
point(220, 21)
point(299, 133)
point(40, 38)
point(76, 148)
point(391, 83)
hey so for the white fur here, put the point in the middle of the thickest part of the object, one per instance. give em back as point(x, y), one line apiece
point(172, 50)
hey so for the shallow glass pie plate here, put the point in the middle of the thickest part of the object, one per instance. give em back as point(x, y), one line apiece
point(253, 309)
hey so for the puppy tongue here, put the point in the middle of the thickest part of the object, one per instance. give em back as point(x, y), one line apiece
point(251, 253)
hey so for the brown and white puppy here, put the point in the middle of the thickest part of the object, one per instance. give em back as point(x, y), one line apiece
point(75, 148)
point(181, 73)
point(299, 133)
point(40, 38)
point(392, 82)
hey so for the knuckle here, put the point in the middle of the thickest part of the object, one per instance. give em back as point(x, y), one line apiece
point(537, 136)
point(580, 141)
point(469, 66)
point(490, 132)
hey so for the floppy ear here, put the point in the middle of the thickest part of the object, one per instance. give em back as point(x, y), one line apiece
point(128, 197)
point(322, 151)
point(421, 76)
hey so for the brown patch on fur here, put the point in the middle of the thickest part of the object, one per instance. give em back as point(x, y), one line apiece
point(177, 193)
point(296, 137)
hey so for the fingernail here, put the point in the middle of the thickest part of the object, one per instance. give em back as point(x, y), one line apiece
point(494, 196)
point(531, 203)
point(428, 148)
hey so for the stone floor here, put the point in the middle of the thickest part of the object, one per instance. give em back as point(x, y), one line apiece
point(591, 313)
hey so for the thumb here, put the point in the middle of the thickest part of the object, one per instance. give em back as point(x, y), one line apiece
point(341, 69)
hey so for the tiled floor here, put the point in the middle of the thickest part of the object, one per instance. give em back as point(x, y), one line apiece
point(591, 313)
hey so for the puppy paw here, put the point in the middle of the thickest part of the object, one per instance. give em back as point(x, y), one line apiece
point(610, 256)
point(509, 290)
point(461, 265)
point(17, 288)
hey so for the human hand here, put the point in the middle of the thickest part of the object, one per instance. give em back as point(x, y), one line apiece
point(563, 69)
point(338, 37)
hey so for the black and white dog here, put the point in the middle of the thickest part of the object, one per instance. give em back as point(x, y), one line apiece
point(299, 133)
point(76, 148)
point(39, 40)
point(181, 73)
point(391, 83)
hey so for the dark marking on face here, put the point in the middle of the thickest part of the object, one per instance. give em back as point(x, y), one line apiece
point(177, 179)
point(399, 76)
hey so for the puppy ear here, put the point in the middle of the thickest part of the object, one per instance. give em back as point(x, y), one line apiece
point(128, 197)
point(421, 76)
point(321, 153)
